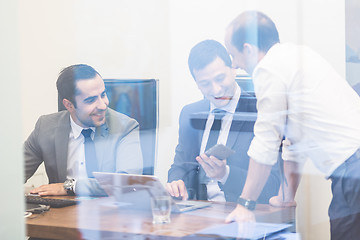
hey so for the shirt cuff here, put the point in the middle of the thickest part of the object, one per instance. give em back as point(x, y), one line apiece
point(74, 188)
point(260, 155)
point(224, 179)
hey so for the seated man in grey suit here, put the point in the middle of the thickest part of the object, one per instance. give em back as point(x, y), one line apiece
point(193, 174)
point(86, 137)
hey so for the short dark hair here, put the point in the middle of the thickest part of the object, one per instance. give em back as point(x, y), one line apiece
point(66, 82)
point(204, 53)
point(255, 28)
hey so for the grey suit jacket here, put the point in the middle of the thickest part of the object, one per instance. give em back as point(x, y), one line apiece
point(191, 129)
point(117, 148)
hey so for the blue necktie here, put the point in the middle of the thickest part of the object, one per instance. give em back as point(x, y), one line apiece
point(90, 153)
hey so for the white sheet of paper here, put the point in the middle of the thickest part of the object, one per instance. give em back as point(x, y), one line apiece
point(254, 230)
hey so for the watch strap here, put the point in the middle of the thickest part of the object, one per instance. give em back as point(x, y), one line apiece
point(69, 186)
point(249, 204)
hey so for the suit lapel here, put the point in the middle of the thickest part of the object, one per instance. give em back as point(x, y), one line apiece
point(61, 146)
point(202, 124)
point(198, 120)
point(238, 126)
point(235, 127)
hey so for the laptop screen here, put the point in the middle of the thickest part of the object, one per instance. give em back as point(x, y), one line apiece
point(130, 189)
point(135, 191)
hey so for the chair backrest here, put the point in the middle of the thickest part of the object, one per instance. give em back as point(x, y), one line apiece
point(246, 84)
point(138, 98)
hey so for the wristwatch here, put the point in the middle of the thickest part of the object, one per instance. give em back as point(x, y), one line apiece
point(249, 204)
point(69, 186)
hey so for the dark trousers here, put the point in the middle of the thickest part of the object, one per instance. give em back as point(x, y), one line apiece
point(344, 210)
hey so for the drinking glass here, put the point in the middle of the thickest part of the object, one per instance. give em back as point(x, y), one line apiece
point(161, 209)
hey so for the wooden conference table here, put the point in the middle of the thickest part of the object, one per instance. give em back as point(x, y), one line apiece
point(102, 219)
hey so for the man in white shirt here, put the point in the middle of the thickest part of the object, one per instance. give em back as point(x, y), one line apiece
point(201, 125)
point(86, 137)
point(300, 96)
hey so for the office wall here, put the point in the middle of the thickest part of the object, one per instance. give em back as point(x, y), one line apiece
point(121, 39)
point(152, 39)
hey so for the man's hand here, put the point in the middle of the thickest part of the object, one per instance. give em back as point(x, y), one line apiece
point(277, 201)
point(240, 214)
point(213, 167)
point(177, 189)
point(50, 189)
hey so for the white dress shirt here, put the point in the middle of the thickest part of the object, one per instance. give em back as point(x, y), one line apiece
point(213, 189)
point(300, 95)
point(76, 165)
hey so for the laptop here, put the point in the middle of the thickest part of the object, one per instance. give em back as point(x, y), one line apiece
point(135, 191)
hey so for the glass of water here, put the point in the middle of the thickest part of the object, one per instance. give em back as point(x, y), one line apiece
point(161, 209)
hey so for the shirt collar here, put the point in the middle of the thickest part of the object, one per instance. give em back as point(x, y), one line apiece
point(76, 129)
point(231, 106)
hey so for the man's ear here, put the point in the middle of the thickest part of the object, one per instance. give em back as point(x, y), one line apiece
point(248, 49)
point(251, 50)
point(68, 105)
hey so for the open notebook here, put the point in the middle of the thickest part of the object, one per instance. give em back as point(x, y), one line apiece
point(135, 191)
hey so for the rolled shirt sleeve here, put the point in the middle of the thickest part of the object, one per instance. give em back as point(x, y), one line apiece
point(270, 125)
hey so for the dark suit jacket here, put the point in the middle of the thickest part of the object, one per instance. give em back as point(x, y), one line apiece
point(117, 147)
point(185, 166)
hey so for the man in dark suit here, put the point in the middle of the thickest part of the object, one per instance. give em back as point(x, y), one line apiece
point(193, 174)
point(86, 137)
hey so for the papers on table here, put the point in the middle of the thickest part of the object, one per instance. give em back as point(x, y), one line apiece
point(254, 230)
